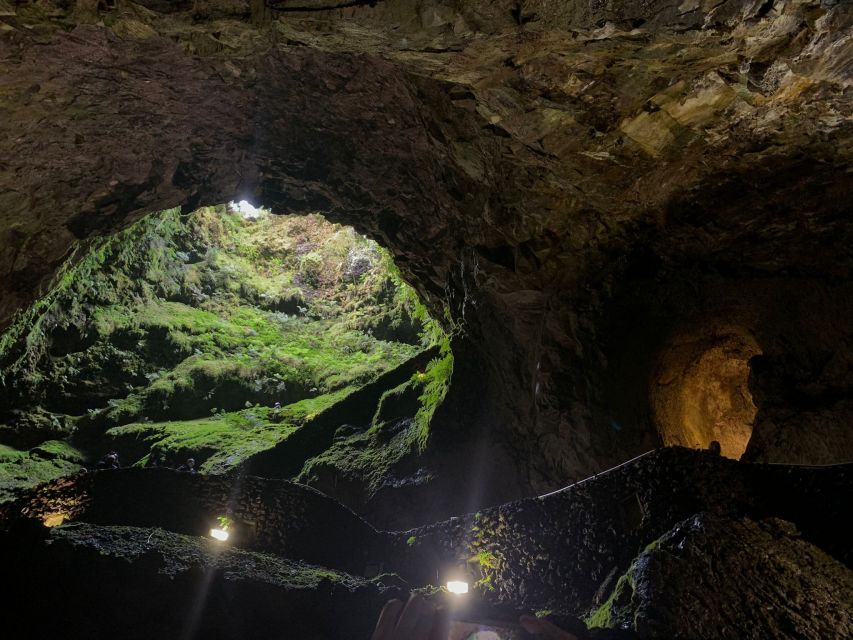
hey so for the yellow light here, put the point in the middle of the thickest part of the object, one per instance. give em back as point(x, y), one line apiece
point(457, 586)
point(219, 534)
point(54, 519)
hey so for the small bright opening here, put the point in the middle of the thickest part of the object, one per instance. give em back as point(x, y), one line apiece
point(219, 534)
point(457, 586)
point(247, 209)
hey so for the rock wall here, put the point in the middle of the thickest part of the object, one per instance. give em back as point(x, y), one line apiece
point(281, 517)
point(700, 579)
point(563, 552)
point(140, 583)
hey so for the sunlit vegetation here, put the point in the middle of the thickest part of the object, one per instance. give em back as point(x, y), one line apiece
point(213, 335)
point(49, 460)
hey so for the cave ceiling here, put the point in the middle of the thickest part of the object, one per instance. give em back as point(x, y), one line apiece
point(529, 164)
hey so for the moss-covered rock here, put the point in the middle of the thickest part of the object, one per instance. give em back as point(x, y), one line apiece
point(212, 335)
point(24, 469)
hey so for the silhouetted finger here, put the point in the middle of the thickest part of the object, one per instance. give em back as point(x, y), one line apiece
point(387, 620)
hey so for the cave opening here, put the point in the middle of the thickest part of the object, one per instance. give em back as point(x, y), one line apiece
point(628, 217)
point(214, 337)
point(700, 391)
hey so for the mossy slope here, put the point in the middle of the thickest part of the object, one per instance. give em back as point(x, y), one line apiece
point(212, 335)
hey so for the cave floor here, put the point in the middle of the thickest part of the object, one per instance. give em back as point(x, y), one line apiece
point(636, 551)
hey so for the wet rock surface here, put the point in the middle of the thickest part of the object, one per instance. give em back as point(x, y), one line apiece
point(718, 577)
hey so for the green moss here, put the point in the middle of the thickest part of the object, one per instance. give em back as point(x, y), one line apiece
point(364, 458)
point(310, 408)
point(218, 443)
point(411, 540)
point(145, 334)
point(59, 450)
point(436, 382)
point(606, 616)
point(25, 469)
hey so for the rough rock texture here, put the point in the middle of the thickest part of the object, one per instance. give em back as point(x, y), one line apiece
point(564, 551)
point(720, 578)
point(271, 515)
point(534, 166)
point(128, 582)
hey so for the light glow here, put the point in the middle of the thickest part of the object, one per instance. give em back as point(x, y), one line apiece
point(219, 534)
point(457, 587)
point(247, 209)
point(54, 519)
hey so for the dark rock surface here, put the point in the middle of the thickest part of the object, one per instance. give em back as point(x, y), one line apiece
point(720, 578)
point(281, 517)
point(128, 582)
point(564, 551)
point(601, 195)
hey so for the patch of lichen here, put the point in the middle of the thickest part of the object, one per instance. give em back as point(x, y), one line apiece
point(164, 336)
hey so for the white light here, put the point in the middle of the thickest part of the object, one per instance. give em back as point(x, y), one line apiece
point(247, 209)
point(457, 586)
point(220, 534)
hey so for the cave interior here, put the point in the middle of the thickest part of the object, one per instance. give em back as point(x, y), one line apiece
point(310, 305)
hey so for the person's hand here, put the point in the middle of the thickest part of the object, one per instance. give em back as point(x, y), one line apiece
point(540, 627)
point(416, 620)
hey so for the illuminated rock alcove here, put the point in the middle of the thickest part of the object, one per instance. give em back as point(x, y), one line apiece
point(700, 392)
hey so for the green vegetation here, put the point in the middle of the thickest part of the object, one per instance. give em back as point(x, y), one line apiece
point(435, 381)
point(482, 553)
point(606, 615)
point(24, 469)
point(223, 441)
point(214, 336)
point(489, 565)
point(411, 540)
